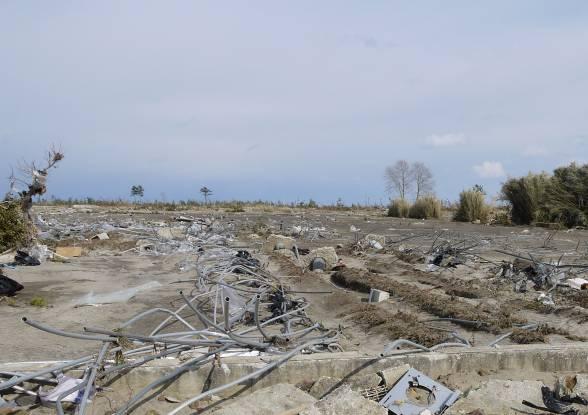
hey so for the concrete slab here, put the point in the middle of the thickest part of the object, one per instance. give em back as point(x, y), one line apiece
point(500, 397)
point(274, 400)
point(344, 401)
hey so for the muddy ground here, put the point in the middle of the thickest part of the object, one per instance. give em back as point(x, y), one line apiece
point(465, 296)
point(338, 300)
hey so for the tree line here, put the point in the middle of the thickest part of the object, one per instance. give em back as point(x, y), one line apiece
point(404, 179)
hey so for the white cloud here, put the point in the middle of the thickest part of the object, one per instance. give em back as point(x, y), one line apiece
point(535, 151)
point(446, 140)
point(490, 170)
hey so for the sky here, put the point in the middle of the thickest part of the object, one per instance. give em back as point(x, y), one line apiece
point(288, 101)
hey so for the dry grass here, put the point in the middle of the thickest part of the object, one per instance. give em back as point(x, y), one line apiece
point(428, 207)
point(539, 335)
point(472, 207)
point(399, 208)
point(395, 325)
point(493, 320)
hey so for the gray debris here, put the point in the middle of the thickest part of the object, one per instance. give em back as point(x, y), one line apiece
point(415, 392)
point(273, 400)
point(359, 383)
point(393, 375)
point(344, 401)
point(323, 386)
point(377, 296)
point(502, 397)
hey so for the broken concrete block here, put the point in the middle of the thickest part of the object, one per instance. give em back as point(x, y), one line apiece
point(178, 233)
point(327, 253)
point(359, 383)
point(165, 234)
point(344, 401)
point(196, 228)
point(69, 251)
point(286, 252)
point(101, 236)
point(376, 241)
point(278, 242)
point(499, 397)
point(377, 296)
point(273, 400)
point(393, 375)
point(323, 386)
point(169, 234)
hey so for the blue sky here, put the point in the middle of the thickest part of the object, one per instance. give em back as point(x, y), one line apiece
point(291, 100)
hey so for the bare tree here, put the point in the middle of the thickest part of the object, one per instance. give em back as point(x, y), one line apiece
point(205, 192)
point(399, 178)
point(35, 182)
point(137, 192)
point(423, 179)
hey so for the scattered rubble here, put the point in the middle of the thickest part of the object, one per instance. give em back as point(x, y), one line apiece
point(415, 391)
point(236, 302)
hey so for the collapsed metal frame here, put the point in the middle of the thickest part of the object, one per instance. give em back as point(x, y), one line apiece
point(234, 307)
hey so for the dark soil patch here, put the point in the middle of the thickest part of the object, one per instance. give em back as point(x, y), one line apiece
point(463, 288)
point(491, 320)
point(456, 292)
point(395, 325)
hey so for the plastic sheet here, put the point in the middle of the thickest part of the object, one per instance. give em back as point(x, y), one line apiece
point(116, 296)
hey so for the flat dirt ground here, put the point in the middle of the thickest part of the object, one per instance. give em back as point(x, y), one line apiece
point(471, 291)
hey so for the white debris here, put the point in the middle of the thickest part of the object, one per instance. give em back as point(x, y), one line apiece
point(116, 296)
point(545, 299)
point(578, 283)
point(377, 296)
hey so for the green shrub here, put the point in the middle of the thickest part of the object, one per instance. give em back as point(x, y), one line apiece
point(13, 229)
point(502, 218)
point(38, 302)
point(541, 198)
point(526, 196)
point(569, 216)
point(471, 207)
point(399, 208)
point(427, 207)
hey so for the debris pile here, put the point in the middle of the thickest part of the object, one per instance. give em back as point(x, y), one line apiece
point(233, 306)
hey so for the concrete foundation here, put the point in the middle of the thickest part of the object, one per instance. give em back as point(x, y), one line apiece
point(572, 358)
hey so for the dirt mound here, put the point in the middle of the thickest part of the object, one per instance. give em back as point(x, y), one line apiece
point(287, 267)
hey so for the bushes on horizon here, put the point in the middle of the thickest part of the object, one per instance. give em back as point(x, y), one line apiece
point(525, 196)
point(398, 208)
point(472, 207)
point(559, 198)
point(428, 207)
